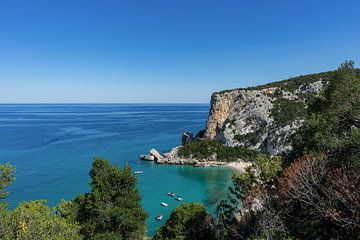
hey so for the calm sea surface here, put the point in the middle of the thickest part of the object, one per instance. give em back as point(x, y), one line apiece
point(52, 147)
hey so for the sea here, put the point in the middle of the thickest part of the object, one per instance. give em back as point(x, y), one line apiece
point(52, 147)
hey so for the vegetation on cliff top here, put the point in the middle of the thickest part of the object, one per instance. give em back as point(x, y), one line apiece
point(293, 83)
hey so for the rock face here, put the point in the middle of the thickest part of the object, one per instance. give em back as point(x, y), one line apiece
point(220, 107)
point(262, 118)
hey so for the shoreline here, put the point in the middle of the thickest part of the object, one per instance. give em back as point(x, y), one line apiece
point(173, 158)
point(239, 166)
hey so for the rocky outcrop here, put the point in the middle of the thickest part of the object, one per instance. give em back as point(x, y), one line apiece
point(174, 158)
point(220, 107)
point(262, 118)
point(147, 157)
point(186, 138)
point(156, 154)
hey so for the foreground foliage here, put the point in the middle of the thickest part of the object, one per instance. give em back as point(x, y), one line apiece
point(111, 211)
point(113, 205)
point(34, 220)
point(186, 222)
point(7, 172)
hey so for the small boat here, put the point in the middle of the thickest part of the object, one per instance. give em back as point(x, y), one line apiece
point(164, 204)
point(179, 199)
point(138, 172)
point(171, 194)
point(159, 217)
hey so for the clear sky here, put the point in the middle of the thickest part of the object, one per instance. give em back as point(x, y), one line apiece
point(166, 51)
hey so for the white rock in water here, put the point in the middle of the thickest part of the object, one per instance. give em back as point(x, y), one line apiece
point(147, 157)
point(156, 154)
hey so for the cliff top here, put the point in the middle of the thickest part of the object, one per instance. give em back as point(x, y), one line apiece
point(290, 84)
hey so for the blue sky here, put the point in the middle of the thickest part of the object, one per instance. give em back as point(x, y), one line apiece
point(165, 51)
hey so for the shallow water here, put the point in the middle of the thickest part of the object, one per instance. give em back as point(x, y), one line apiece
point(52, 147)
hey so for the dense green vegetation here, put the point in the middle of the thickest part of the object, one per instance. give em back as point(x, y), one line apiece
point(113, 205)
point(204, 149)
point(111, 211)
point(187, 221)
point(35, 220)
point(285, 111)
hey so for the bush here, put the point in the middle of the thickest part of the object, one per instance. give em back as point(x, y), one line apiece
point(320, 201)
point(34, 220)
point(187, 221)
point(286, 111)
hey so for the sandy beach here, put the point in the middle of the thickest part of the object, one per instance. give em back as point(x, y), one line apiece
point(239, 165)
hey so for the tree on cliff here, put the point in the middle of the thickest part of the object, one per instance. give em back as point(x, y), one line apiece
point(112, 209)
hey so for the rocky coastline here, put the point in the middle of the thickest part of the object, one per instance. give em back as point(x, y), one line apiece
point(173, 158)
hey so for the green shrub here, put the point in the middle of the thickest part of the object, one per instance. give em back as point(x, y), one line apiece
point(188, 221)
point(286, 111)
point(34, 220)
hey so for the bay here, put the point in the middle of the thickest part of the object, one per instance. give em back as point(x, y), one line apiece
point(52, 147)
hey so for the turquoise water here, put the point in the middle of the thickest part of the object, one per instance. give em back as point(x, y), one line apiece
point(52, 147)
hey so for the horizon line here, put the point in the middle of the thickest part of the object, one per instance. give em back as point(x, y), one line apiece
point(94, 103)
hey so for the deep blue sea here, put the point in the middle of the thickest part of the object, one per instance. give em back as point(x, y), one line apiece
point(52, 147)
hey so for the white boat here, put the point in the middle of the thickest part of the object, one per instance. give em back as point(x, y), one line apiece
point(164, 204)
point(171, 194)
point(159, 217)
point(138, 172)
point(179, 199)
